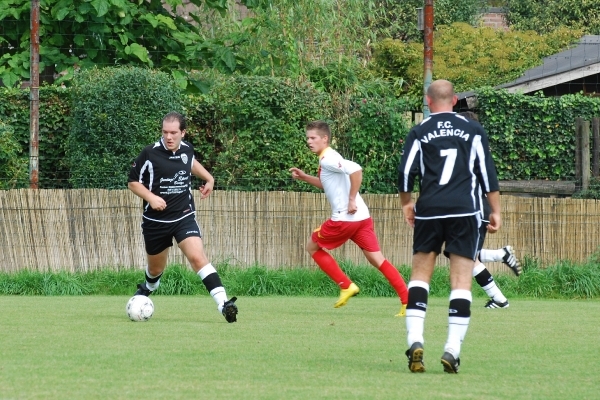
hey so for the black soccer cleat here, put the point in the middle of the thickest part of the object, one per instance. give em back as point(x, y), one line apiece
point(230, 310)
point(142, 290)
point(450, 363)
point(415, 357)
point(494, 304)
point(511, 260)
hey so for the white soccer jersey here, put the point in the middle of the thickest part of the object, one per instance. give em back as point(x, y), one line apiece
point(334, 173)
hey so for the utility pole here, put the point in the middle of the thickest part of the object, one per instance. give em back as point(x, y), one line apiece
point(427, 51)
point(34, 95)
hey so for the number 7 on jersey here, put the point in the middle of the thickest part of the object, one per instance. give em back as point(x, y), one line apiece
point(450, 155)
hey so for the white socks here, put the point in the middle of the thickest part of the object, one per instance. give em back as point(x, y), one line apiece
point(213, 284)
point(486, 255)
point(460, 305)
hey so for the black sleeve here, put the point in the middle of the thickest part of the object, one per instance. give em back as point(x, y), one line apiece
point(408, 170)
point(136, 168)
point(485, 167)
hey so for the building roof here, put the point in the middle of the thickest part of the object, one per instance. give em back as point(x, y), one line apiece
point(575, 63)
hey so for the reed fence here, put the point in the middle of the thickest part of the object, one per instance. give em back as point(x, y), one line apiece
point(84, 230)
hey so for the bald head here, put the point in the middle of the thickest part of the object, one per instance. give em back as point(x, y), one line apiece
point(440, 96)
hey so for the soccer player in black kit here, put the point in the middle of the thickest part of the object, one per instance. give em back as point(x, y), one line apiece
point(450, 157)
point(161, 175)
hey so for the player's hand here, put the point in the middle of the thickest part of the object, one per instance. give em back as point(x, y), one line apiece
point(495, 223)
point(158, 203)
point(206, 189)
point(352, 207)
point(297, 173)
point(409, 214)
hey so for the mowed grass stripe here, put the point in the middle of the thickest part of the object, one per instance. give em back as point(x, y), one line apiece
point(290, 347)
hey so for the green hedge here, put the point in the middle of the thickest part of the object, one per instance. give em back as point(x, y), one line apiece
point(116, 112)
point(533, 137)
point(55, 123)
point(248, 131)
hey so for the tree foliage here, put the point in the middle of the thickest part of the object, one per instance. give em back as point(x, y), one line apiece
point(545, 16)
point(80, 34)
point(398, 19)
point(469, 57)
point(291, 37)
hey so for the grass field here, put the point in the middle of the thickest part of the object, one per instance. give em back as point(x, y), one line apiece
point(290, 348)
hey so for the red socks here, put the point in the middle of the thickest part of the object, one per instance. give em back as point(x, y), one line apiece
point(395, 279)
point(332, 269)
point(328, 265)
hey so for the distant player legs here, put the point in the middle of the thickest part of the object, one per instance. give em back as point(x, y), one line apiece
point(377, 259)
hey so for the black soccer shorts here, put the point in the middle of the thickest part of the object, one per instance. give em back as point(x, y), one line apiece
point(459, 234)
point(159, 235)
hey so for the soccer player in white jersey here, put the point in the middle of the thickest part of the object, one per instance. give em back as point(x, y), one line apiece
point(162, 176)
point(350, 218)
point(450, 158)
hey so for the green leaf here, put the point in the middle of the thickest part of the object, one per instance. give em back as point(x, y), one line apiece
point(229, 58)
point(79, 40)
point(140, 52)
point(101, 7)
point(168, 21)
point(62, 13)
point(150, 18)
point(124, 39)
point(180, 78)
point(119, 3)
point(202, 86)
point(9, 79)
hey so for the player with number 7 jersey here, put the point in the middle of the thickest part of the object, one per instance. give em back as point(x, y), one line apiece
point(450, 155)
point(451, 158)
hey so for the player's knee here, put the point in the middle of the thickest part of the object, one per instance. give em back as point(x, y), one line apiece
point(198, 261)
point(312, 247)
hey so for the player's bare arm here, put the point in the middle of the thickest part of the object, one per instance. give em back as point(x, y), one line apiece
point(495, 218)
point(408, 208)
point(201, 172)
point(156, 202)
point(355, 182)
point(300, 175)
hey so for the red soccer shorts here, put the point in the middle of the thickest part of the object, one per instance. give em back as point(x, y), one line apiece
point(333, 234)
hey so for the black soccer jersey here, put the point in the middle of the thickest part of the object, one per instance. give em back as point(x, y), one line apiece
point(166, 174)
point(485, 209)
point(450, 156)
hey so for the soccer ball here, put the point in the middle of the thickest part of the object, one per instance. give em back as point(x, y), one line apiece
point(139, 308)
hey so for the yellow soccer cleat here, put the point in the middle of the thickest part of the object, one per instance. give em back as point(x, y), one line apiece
point(345, 295)
point(402, 312)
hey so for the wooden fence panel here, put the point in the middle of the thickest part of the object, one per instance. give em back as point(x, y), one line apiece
point(83, 230)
